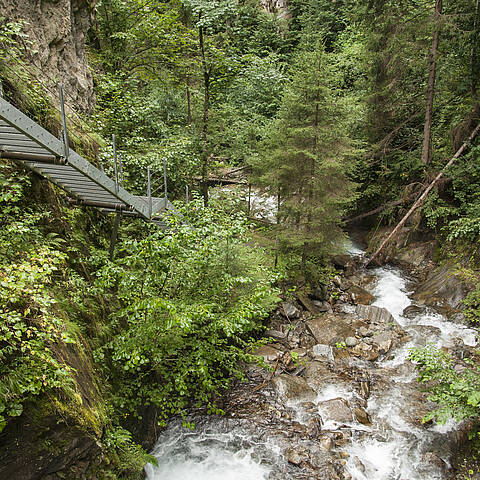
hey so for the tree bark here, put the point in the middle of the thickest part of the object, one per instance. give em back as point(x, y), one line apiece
point(427, 131)
point(424, 195)
point(206, 105)
point(189, 104)
point(474, 56)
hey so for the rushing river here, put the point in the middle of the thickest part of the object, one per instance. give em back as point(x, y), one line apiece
point(392, 448)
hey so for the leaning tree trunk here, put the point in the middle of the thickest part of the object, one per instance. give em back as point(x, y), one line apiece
point(423, 196)
point(427, 131)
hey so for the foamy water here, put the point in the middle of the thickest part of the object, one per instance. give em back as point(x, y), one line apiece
point(210, 455)
point(398, 445)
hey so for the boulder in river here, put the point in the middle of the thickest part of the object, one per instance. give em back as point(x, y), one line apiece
point(374, 314)
point(296, 456)
point(443, 286)
point(360, 295)
point(362, 416)
point(327, 327)
point(365, 351)
point(383, 341)
point(413, 311)
point(336, 409)
point(293, 388)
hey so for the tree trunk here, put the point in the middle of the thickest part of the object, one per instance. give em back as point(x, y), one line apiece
point(427, 131)
point(206, 105)
point(474, 56)
point(189, 104)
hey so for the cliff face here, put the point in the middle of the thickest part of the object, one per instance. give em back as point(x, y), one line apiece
point(57, 31)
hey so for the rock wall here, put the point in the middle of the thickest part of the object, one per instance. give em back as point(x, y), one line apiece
point(57, 30)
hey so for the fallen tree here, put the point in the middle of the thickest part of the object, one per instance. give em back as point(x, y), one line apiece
point(423, 196)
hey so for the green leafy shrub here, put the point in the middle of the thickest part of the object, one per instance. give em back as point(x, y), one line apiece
point(457, 394)
point(190, 300)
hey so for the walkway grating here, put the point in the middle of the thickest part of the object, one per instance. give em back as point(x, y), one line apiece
point(26, 142)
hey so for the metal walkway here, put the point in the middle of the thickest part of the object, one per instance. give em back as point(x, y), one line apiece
point(26, 142)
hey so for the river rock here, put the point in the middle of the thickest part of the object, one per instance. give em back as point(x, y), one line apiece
point(351, 342)
point(296, 456)
point(320, 293)
point(374, 314)
point(337, 410)
point(360, 295)
point(383, 341)
point(314, 427)
point(327, 327)
point(365, 389)
point(412, 311)
point(293, 388)
point(323, 352)
point(415, 254)
point(322, 306)
point(318, 375)
point(365, 332)
point(290, 310)
point(443, 286)
point(365, 351)
point(362, 416)
point(269, 353)
point(326, 443)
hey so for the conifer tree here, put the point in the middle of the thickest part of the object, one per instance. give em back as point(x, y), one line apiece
point(304, 160)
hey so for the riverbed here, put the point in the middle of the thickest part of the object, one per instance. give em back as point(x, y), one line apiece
point(341, 413)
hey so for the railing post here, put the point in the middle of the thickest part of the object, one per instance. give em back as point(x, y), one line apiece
point(64, 121)
point(115, 162)
point(120, 164)
point(149, 193)
point(1, 89)
point(165, 179)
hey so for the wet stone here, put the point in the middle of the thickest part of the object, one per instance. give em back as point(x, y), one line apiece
point(375, 314)
point(362, 416)
point(383, 341)
point(291, 387)
point(412, 311)
point(326, 443)
point(360, 295)
point(337, 410)
point(296, 456)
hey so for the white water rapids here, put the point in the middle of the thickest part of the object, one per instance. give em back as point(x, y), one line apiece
point(393, 448)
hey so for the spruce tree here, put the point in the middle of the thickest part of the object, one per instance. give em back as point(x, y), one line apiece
point(304, 160)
